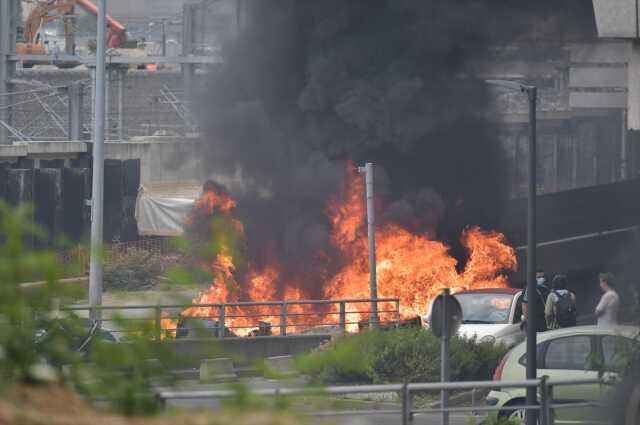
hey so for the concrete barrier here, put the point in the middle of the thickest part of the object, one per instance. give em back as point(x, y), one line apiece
point(217, 370)
point(279, 366)
point(190, 351)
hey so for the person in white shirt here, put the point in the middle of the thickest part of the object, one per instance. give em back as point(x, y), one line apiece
point(607, 309)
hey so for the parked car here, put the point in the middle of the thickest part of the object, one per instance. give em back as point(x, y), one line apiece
point(491, 315)
point(586, 352)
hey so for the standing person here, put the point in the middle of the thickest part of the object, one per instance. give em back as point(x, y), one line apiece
point(542, 292)
point(538, 311)
point(609, 305)
point(541, 283)
point(560, 309)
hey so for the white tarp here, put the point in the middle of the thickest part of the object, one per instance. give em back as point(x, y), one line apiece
point(161, 208)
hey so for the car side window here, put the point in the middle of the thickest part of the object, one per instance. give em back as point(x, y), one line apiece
point(517, 315)
point(616, 351)
point(539, 356)
point(569, 353)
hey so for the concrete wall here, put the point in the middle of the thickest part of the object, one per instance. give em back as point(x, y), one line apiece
point(161, 158)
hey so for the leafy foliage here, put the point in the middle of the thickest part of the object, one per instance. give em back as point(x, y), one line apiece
point(38, 342)
point(400, 355)
point(29, 333)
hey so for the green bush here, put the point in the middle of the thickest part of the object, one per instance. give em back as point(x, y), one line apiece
point(400, 355)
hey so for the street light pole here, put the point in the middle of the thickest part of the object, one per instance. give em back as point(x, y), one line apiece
point(371, 232)
point(97, 190)
point(532, 299)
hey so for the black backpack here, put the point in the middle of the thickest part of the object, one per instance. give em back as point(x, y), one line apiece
point(565, 310)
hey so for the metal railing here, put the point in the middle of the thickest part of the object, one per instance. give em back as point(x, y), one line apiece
point(546, 406)
point(264, 318)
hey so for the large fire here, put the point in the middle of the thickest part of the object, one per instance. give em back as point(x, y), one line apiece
point(411, 267)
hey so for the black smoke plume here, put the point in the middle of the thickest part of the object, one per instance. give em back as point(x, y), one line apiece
point(308, 84)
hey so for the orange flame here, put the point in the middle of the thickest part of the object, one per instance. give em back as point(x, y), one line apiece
point(411, 267)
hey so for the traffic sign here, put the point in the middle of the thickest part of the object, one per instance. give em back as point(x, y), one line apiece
point(448, 326)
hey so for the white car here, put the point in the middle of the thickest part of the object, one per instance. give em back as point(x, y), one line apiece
point(490, 315)
point(585, 352)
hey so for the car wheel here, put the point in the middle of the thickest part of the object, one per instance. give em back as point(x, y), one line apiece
point(514, 412)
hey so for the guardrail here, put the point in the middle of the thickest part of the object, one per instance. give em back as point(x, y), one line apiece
point(248, 318)
point(546, 406)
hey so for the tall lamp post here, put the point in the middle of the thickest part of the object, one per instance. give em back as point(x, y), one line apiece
point(97, 191)
point(532, 94)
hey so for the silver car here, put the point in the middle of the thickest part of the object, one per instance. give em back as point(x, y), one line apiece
point(490, 315)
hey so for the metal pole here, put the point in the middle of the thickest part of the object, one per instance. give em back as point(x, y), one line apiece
point(158, 323)
point(122, 73)
point(343, 317)
point(544, 401)
point(5, 7)
point(407, 405)
point(92, 71)
point(371, 233)
point(69, 34)
point(444, 356)
point(97, 191)
point(164, 39)
point(107, 103)
point(187, 49)
point(7, 67)
point(283, 319)
point(75, 110)
point(532, 299)
point(624, 162)
point(221, 321)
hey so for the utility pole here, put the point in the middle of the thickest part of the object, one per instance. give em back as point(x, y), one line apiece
point(97, 192)
point(371, 233)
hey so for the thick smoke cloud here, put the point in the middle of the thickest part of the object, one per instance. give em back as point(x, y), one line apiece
point(309, 84)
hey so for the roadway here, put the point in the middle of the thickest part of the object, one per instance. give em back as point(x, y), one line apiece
point(354, 407)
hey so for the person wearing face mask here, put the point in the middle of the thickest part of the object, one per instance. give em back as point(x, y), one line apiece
point(542, 292)
point(543, 287)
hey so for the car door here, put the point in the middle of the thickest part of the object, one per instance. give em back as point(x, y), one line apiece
point(568, 358)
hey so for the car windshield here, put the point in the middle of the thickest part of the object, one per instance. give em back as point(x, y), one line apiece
point(485, 308)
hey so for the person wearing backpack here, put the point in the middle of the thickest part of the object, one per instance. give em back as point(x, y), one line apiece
point(560, 308)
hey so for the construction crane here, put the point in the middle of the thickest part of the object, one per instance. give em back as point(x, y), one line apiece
point(50, 10)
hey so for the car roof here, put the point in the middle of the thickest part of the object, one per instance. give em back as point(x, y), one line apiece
point(511, 291)
point(628, 331)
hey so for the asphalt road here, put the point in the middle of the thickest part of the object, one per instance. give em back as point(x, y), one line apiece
point(356, 418)
point(419, 419)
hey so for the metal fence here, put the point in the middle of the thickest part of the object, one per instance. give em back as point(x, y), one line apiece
point(266, 318)
point(546, 407)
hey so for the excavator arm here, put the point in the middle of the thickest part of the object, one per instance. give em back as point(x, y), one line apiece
point(117, 34)
point(50, 10)
point(44, 12)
